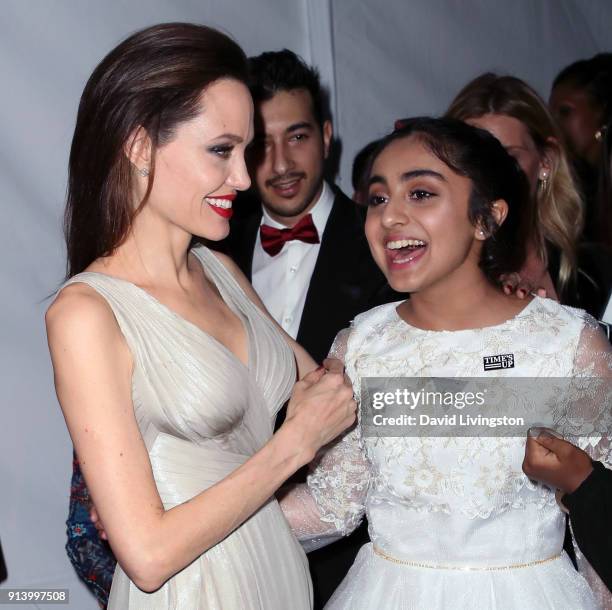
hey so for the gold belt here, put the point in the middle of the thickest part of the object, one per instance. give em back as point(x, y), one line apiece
point(417, 564)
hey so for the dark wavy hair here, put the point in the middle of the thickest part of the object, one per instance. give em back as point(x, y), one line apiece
point(594, 77)
point(477, 155)
point(359, 176)
point(276, 71)
point(154, 79)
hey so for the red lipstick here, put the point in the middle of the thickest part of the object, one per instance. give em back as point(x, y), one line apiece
point(226, 213)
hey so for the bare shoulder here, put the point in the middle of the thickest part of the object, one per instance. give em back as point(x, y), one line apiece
point(79, 311)
point(86, 346)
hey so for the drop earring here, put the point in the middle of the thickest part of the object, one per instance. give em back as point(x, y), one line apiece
point(144, 172)
point(543, 180)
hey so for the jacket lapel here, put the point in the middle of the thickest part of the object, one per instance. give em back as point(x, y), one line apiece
point(336, 286)
point(243, 234)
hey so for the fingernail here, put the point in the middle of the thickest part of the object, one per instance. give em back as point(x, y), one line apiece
point(543, 431)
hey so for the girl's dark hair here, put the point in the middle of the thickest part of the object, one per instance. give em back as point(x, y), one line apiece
point(154, 79)
point(359, 175)
point(477, 155)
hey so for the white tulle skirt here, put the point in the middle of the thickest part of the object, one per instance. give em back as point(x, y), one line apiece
point(376, 582)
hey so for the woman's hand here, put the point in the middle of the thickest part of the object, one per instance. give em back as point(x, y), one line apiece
point(513, 283)
point(321, 407)
point(556, 462)
point(93, 377)
point(533, 278)
point(95, 519)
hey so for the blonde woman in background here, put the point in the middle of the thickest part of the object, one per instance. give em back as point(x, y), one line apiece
point(516, 115)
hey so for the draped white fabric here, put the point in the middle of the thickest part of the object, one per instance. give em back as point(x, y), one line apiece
point(382, 60)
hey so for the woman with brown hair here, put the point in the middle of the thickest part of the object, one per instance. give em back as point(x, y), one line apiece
point(168, 370)
point(514, 113)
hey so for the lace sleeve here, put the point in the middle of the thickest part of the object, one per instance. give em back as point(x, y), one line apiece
point(593, 377)
point(593, 366)
point(332, 502)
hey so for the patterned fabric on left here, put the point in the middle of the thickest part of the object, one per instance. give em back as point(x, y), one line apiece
point(91, 557)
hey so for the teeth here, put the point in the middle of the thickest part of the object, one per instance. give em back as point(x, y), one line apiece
point(219, 203)
point(286, 185)
point(403, 243)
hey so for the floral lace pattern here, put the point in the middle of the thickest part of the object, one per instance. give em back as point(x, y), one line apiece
point(332, 503)
point(427, 496)
point(479, 476)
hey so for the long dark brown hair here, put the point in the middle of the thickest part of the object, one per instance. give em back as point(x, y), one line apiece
point(154, 79)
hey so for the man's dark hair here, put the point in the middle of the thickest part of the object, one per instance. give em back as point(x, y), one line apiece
point(275, 71)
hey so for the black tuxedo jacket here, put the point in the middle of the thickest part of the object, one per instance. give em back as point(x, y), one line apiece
point(345, 280)
point(344, 283)
point(590, 511)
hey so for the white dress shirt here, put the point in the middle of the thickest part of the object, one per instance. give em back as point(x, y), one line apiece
point(282, 281)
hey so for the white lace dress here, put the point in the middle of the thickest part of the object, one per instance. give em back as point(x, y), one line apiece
point(454, 522)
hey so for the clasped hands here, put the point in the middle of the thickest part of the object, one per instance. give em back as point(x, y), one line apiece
point(321, 407)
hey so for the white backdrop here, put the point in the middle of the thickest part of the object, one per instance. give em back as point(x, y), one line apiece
point(382, 60)
point(405, 58)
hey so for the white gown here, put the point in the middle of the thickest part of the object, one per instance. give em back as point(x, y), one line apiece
point(454, 522)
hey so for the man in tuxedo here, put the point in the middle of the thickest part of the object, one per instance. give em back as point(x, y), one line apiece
point(303, 244)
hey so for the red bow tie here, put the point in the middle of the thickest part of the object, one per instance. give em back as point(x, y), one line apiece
point(273, 240)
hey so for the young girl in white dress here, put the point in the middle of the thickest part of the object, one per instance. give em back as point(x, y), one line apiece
point(454, 522)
